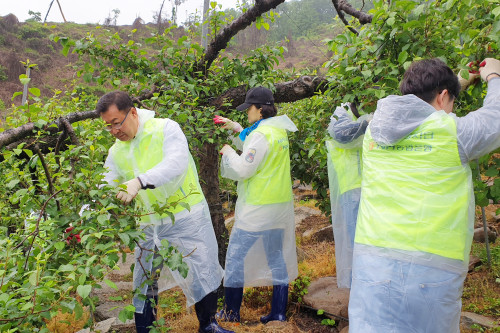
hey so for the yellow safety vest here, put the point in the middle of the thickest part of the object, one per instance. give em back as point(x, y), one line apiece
point(133, 161)
point(346, 166)
point(415, 194)
point(272, 182)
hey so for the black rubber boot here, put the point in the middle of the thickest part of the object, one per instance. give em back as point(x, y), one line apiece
point(278, 304)
point(205, 311)
point(232, 304)
point(144, 320)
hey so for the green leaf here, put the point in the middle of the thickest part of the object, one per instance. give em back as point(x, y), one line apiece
point(35, 91)
point(59, 245)
point(67, 268)
point(27, 306)
point(12, 183)
point(78, 311)
point(84, 291)
point(125, 238)
point(24, 80)
point(111, 284)
point(185, 205)
point(33, 278)
point(496, 11)
point(402, 57)
point(102, 219)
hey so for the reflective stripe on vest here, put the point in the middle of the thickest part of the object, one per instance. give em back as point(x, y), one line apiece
point(415, 194)
point(346, 164)
point(272, 182)
point(133, 159)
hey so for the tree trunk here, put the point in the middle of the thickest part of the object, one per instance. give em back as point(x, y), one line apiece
point(209, 175)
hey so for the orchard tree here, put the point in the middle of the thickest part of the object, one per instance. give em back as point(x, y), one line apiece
point(52, 158)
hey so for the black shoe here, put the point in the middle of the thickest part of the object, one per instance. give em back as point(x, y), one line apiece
point(205, 311)
point(278, 304)
point(144, 320)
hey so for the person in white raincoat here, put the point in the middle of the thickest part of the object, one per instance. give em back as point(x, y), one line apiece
point(344, 175)
point(261, 249)
point(151, 157)
point(416, 215)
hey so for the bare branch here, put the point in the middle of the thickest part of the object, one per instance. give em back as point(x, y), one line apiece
point(340, 13)
point(285, 92)
point(222, 39)
point(18, 133)
point(342, 6)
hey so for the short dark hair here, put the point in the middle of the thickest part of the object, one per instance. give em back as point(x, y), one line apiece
point(427, 78)
point(267, 111)
point(119, 98)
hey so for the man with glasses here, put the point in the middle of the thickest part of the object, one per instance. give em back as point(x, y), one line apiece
point(152, 159)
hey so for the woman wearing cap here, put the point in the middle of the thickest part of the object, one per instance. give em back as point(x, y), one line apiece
point(264, 218)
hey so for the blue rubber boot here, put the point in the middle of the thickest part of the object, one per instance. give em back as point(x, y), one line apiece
point(278, 304)
point(144, 320)
point(205, 311)
point(232, 304)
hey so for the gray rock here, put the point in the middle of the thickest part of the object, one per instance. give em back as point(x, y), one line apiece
point(474, 261)
point(303, 212)
point(325, 295)
point(479, 235)
point(302, 187)
point(468, 319)
point(495, 216)
point(123, 269)
point(106, 290)
point(109, 310)
point(321, 235)
point(101, 327)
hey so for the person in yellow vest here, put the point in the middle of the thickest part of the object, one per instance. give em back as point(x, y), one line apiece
point(344, 176)
point(416, 215)
point(151, 158)
point(261, 250)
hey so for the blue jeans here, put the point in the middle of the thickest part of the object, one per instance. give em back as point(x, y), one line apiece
point(240, 243)
point(396, 296)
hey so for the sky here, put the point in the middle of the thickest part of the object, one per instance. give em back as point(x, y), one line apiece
point(95, 11)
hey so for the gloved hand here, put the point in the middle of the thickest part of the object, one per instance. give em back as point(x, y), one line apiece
point(228, 124)
point(133, 187)
point(473, 75)
point(488, 68)
point(225, 149)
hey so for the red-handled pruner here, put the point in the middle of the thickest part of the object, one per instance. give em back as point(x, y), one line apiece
point(218, 120)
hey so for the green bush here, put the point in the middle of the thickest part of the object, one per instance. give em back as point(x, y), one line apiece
point(3, 73)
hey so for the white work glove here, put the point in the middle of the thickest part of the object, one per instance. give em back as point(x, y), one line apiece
point(228, 124)
point(133, 187)
point(488, 68)
point(473, 75)
point(225, 149)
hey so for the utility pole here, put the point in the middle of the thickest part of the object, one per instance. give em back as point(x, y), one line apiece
point(50, 6)
point(61, 11)
point(204, 28)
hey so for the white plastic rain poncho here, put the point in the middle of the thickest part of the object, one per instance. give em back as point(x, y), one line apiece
point(416, 214)
point(172, 172)
point(344, 175)
point(261, 249)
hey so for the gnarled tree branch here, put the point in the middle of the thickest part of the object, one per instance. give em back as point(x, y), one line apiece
point(285, 92)
point(342, 6)
point(222, 39)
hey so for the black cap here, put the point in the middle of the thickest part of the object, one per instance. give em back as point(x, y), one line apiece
point(257, 95)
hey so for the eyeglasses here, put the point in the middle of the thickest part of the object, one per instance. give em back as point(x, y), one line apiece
point(111, 127)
